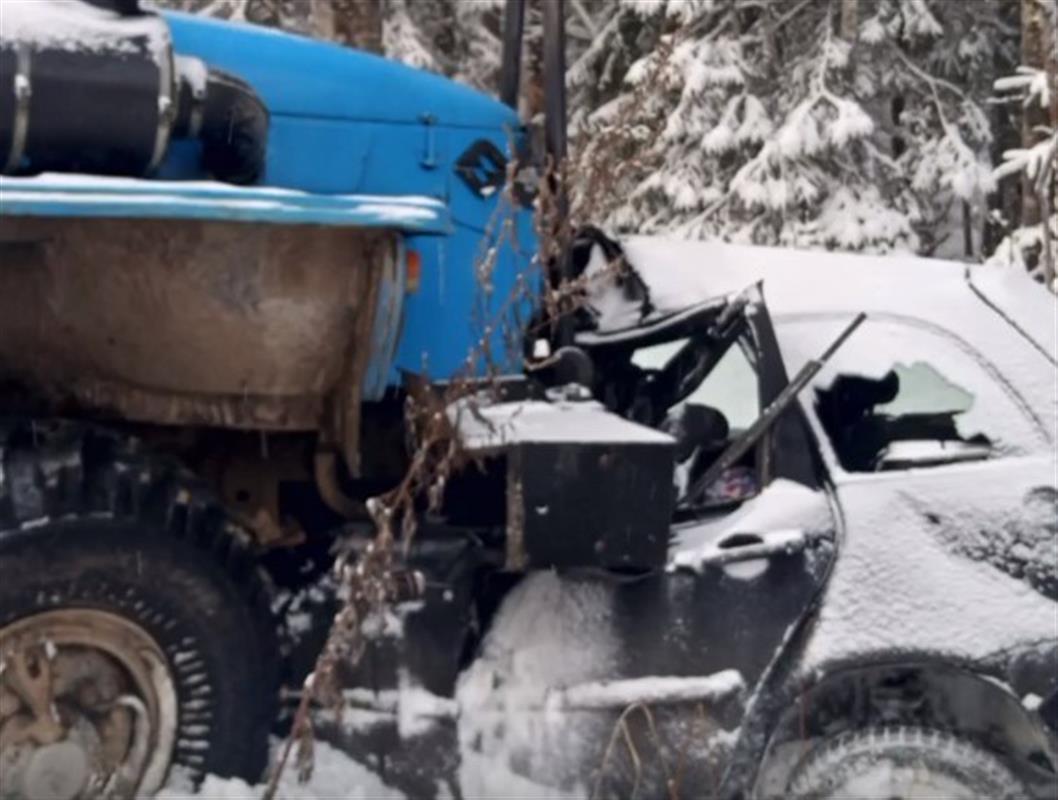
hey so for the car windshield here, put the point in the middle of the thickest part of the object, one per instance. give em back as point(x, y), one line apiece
point(717, 404)
point(731, 386)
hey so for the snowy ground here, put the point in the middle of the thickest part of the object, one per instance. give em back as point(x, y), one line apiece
point(335, 776)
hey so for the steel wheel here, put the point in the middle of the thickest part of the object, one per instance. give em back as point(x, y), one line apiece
point(88, 708)
point(117, 556)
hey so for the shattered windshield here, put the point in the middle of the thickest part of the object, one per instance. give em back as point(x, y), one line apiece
point(731, 386)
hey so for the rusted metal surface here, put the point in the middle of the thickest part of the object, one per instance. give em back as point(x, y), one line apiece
point(325, 472)
point(29, 676)
point(73, 681)
point(517, 558)
point(246, 471)
point(193, 323)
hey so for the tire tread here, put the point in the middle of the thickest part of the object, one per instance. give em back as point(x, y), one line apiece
point(67, 471)
point(823, 762)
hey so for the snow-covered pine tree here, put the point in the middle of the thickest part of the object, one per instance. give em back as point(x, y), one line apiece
point(767, 123)
point(309, 18)
point(459, 38)
point(852, 124)
point(1033, 244)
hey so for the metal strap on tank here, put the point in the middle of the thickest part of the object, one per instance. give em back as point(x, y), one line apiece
point(198, 97)
point(198, 112)
point(23, 93)
point(166, 111)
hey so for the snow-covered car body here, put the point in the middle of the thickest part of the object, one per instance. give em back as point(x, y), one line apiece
point(908, 577)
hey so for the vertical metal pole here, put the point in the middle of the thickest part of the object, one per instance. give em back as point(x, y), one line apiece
point(511, 68)
point(555, 78)
point(555, 140)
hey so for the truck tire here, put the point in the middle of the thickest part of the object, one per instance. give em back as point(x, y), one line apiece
point(131, 602)
point(902, 763)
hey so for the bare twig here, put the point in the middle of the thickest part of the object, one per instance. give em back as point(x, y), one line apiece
point(622, 732)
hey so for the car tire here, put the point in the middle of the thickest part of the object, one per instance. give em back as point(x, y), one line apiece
point(93, 534)
point(905, 763)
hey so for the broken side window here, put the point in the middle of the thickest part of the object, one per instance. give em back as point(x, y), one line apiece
point(903, 395)
point(908, 417)
point(732, 387)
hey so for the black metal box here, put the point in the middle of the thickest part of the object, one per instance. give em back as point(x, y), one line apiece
point(584, 487)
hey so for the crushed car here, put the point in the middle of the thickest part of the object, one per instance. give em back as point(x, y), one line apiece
point(858, 595)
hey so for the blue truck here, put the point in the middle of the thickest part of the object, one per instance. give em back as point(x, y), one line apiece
point(230, 261)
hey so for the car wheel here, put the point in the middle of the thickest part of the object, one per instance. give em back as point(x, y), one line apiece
point(902, 763)
point(135, 633)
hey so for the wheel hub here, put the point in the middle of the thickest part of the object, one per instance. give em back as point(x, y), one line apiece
point(57, 771)
point(87, 708)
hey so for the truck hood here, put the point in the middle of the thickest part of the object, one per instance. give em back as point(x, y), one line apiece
point(298, 76)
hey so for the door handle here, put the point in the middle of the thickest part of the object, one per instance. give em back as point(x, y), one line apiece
point(733, 548)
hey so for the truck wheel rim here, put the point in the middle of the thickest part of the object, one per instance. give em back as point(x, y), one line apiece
point(88, 708)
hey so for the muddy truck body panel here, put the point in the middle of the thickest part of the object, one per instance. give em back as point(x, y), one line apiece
point(251, 326)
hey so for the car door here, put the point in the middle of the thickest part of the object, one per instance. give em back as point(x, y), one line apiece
point(742, 576)
point(946, 480)
point(644, 679)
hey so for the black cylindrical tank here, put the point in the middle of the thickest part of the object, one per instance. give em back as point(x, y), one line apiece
point(84, 89)
point(95, 87)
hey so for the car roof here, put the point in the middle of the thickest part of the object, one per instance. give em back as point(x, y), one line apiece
point(949, 294)
point(1001, 313)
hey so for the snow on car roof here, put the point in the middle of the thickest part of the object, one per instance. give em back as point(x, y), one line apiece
point(1009, 320)
point(1018, 298)
point(681, 272)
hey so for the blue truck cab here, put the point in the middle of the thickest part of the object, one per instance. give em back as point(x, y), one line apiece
point(349, 122)
point(353, 139)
